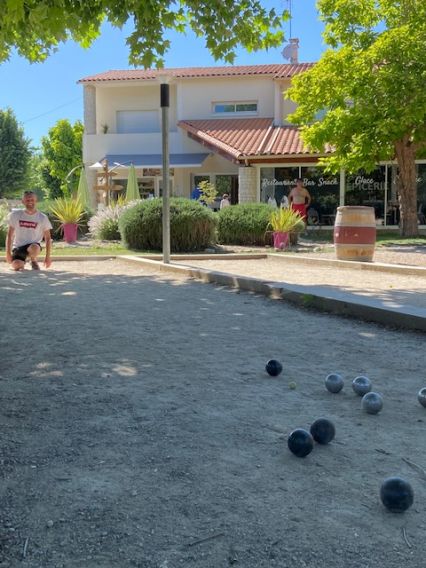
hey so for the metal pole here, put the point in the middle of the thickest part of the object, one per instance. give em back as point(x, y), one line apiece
point(342, 187)
point(165, 103)
point(385, 205)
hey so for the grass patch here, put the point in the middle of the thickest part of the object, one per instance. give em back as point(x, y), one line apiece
point(388, 239)
point(383, 238)
point(114, 249)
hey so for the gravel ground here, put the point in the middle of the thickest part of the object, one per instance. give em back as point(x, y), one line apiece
point(139, 428)
point(411, 255)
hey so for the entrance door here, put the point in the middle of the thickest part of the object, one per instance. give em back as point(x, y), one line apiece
point(228, 184)
point(147, 187)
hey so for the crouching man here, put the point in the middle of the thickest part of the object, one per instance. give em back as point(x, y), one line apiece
point(26, 230)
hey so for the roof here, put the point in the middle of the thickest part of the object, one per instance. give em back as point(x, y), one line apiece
point(238, 138)
point(274, 71)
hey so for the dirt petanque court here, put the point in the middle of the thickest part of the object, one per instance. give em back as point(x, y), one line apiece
point(139, 428)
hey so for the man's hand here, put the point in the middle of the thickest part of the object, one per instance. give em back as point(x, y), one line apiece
point(47, 262)
point(8, 258)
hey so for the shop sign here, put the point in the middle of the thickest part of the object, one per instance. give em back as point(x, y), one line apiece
point(278, 183)
point(307, 182)
point(367, 184)
point(320, 181)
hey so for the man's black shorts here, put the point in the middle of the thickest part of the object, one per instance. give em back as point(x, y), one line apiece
point(21, 253)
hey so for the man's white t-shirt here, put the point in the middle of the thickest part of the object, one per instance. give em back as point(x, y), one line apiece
point(28, 228)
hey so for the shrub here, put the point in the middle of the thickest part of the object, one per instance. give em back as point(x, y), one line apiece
point(4, 212)
point(192, 226)
point(244, 224)
point(104, 224)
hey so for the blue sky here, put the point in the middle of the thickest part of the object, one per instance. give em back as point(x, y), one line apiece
point(41, 94)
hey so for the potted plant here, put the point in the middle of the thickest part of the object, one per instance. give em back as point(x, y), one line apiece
point(69, 213)
point(283, 222)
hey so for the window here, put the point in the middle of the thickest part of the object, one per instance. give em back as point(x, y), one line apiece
point(136, 121)
point(233, 107)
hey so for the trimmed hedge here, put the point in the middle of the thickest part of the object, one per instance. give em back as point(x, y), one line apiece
point(245, 224)
point(192, 226)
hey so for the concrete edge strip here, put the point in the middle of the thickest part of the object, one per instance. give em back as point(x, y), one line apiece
point(157, 257)
point(336, 306)
point(374, 267)
point(80, 258)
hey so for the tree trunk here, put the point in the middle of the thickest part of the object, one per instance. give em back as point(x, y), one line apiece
point(407, 186)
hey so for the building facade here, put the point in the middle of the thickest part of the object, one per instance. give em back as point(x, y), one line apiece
point(228, 125)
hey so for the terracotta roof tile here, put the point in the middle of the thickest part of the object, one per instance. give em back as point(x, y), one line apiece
point(275, 71)
point(235, 136)
point(247, 137)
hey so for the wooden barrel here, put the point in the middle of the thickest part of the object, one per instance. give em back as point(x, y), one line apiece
point(355, 233)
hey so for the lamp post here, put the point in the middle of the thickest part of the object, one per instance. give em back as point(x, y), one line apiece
point(165, 104)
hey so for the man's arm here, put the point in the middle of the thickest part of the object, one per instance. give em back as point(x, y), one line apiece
point(308, 195)
point(9, 241)
point(48, 241)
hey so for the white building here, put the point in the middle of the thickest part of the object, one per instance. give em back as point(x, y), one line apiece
point(228, 125)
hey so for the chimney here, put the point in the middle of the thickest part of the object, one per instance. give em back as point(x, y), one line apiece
point(291, 51)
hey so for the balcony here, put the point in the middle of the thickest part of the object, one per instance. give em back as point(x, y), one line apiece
point(96, 146)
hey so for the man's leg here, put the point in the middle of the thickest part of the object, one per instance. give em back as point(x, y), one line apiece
point(33, 251)
point(18, 265)
point(19, 256)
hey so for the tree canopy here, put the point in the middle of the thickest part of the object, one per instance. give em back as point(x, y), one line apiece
point(61, 152)
point(14, 155)
point(36, 27)
point(371, 85)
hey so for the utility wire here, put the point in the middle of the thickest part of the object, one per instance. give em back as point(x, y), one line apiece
point(51, 110)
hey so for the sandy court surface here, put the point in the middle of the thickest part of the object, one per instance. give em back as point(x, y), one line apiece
point(393, 289)
point(414, 255)
point(144, 432)
point(410, 255)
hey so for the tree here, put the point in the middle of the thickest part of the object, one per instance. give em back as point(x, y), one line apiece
point(34, 179)
point(208, 192)
point(371, 85)
point(36, 27)
point(62, 151)
point(14, 154)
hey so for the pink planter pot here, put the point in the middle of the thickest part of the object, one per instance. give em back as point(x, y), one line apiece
point(70, 232)
point(280, 240)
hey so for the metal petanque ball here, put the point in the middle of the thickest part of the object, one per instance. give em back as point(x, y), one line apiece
point(361, 385)
point(421, 397)
point(300, 442)
point(372, 403)
point(334, 382)
point(273, 368)
point(396, 494)
point(323, 431)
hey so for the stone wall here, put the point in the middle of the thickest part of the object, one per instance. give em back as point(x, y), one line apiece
point(247, 184)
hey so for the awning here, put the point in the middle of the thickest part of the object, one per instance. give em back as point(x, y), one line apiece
point(152, 160)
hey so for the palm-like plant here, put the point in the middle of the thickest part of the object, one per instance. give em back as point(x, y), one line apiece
point(286, 221)
point(67, 210)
